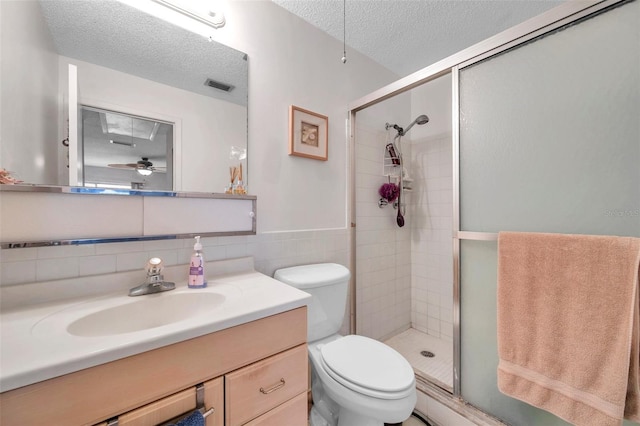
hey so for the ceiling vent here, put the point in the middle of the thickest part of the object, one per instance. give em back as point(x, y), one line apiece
point(217, 85)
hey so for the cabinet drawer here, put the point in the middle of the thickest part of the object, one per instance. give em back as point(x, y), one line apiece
point(292, 412)
point(259, 387)
point(172, 406)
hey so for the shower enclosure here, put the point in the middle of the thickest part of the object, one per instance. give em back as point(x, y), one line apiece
point(533, 130)
point(404, 273)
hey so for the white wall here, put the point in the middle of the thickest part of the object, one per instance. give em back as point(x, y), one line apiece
point(291, 62)
point(28, 97)
point(434, 100)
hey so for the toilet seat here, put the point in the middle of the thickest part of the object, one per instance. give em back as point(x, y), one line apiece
point(368, 367)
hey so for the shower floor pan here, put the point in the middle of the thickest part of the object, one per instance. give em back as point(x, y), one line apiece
point(437, 369)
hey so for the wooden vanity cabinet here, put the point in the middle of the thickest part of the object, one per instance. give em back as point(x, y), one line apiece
point(254, 373)
point(174, 407)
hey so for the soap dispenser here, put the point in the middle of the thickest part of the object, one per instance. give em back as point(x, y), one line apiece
point(196, 267)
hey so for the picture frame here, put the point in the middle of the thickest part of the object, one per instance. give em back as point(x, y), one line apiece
point(308, 134)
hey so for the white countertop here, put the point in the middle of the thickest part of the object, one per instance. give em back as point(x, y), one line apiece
point(36, 347)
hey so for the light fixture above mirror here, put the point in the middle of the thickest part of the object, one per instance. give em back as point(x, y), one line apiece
point(207, 11)
point(199, 16)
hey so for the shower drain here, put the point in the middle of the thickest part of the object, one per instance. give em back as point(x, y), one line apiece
point(428, 354)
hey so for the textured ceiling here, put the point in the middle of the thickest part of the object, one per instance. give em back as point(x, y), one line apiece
point(402, 35)
point(408, 35)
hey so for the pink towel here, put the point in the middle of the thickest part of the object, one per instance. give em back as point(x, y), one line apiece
point(568, 325)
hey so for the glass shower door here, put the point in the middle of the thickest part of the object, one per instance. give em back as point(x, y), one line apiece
point(549, 142)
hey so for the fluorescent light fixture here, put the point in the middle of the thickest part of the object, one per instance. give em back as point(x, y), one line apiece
point(198, 16)
point(118, 124)
point(207, 12)
point(106, 186)
point(129, 144)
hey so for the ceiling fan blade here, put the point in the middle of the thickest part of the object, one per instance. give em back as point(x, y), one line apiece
point(123, 166)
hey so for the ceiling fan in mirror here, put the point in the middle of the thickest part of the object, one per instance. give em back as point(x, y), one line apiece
point(143, 167)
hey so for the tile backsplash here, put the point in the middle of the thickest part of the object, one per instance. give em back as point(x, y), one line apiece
point(269, 250)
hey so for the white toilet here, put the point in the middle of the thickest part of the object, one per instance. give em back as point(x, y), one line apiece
point(355, 380)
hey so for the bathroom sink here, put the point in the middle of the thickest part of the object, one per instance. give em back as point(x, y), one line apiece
point(145, 313)
point(50, 338)
point(152, 312)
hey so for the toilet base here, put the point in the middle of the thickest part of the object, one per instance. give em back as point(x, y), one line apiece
point(316, 419)
point(345, 418)
point(351, 418)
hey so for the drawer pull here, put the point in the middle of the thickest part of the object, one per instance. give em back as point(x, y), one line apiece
point(275, 387)
point(207, 413)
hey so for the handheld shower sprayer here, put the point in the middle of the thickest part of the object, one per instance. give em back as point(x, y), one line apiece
point(420, 120)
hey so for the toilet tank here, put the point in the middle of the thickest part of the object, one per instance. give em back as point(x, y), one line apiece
point(327, 283)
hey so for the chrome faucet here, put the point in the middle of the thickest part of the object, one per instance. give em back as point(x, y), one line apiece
point(155, 281)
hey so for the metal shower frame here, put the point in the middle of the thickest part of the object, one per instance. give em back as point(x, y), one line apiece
point(555, 18)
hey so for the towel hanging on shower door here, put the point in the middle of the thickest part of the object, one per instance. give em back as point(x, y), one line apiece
point(568, 325)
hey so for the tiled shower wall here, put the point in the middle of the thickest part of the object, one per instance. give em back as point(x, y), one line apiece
point(404, 275)
point(270, 252)
point(383, 250)
point(431, 242)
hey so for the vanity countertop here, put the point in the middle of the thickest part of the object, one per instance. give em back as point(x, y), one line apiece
point(36, 347)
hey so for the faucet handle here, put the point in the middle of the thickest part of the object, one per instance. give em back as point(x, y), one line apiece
point(155, 282)
point(154, 266)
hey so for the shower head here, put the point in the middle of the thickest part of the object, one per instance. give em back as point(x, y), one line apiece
point(422, 119)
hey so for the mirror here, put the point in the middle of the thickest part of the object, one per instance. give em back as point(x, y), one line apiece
point(110, 140)
point(128, 62)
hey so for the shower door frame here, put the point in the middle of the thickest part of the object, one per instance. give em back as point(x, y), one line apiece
point(551, 20)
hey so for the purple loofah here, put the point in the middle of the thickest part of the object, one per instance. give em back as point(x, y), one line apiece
point(389, 191)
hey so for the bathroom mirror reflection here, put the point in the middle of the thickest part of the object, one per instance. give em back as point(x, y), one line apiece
point(127, 61)
point(125, 151)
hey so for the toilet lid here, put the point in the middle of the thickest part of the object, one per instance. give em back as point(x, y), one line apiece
point(366, 364)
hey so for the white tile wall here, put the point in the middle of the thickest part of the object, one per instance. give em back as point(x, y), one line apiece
point(270, 251)
point(383, 251)
point(431, 243)
point(404, 275)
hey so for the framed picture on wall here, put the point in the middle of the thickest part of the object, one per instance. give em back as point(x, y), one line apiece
point(308, 134)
